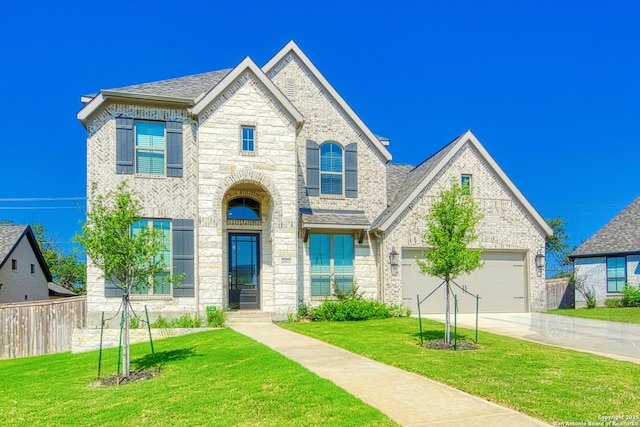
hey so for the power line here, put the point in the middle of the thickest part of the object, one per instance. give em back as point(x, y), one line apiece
point(40, 199)
point(35, 207)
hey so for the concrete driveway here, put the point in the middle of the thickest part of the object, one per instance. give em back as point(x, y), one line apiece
point(611, 339)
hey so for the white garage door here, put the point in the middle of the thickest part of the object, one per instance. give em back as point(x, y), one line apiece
point(500, 282)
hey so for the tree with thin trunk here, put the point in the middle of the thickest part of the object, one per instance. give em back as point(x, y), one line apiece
point(127, 257)
point(450, 230)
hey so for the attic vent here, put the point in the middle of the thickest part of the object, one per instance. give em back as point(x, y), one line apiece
point(291, 88)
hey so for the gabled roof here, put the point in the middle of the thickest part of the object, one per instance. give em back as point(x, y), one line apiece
point(188, 87)
point(618, 236)
point(418, 179)
point(292, 47)
point(10, 237)
point(195, 91)
point(246, 65)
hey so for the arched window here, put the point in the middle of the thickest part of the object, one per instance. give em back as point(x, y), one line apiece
point(244, 208)
point(331, 168)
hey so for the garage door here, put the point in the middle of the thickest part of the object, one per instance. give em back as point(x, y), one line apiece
point(500, 282)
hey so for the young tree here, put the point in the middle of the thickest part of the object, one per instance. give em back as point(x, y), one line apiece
point(130, 260)
point(450, 229)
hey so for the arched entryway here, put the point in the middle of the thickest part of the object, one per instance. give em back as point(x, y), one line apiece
point(247, 208)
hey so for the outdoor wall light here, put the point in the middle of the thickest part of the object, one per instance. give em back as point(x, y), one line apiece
point(539, 262)
point(394, 257)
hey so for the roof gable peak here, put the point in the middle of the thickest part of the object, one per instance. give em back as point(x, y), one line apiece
point(292, 47)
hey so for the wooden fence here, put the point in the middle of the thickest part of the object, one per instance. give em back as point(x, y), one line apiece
point(559, 294)
point(40, 327)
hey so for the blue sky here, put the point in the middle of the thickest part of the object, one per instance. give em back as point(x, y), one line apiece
point(550, 88)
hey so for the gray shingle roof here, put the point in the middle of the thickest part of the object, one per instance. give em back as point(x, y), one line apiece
point(189, 87)
point(620, 235)
point(57, 290)
point(329, 217)
point(412, 180)
point(396, 176)
point(10, 235)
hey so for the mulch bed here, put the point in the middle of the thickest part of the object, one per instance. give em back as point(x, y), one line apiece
point(442, 345)
point(134, 376)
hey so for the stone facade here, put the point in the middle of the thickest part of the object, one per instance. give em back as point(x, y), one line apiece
point(505, 224)
point(288, 103)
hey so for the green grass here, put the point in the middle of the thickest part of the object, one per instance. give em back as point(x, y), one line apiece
point(545, 382)
point(211, 378)
point(623, 314)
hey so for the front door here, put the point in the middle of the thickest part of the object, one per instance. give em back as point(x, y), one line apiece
point(244, 271)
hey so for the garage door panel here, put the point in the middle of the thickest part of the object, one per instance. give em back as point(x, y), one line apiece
point(500, 283)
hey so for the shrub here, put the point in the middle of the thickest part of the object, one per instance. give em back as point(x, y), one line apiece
point(303, 311)
point(357, 309)
point(161, 322)
point(184, 321)
point(631, 296)
point(216, 318)
point(614, 303)
point(134, 323)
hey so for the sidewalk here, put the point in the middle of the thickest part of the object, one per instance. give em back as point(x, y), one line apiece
point(407, 398)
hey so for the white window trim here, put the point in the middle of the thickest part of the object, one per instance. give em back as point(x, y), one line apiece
point(135, 150)
point(244, 152)
point(342, 174)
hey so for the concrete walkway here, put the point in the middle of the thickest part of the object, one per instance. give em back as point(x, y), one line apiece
point(616, 340)
point(408, 399)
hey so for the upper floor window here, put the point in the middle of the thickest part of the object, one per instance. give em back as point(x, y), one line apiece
point(160, 284)
point(33, 269)
point(616, 273)
point(248, 138)
point(244, 208)
point(150, 148)
point(331, 168)
point(465, 183)
point(14, 265)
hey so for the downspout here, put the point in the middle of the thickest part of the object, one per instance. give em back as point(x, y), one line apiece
point(196, 226)
point(380, 238)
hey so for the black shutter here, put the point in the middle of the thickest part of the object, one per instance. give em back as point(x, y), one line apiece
point(124, 145)
point(183, 256)
point(174, 149)
point(351, 170)
point(112, 288)
point(313, 168)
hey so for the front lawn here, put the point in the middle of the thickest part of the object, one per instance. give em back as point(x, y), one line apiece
point(549, 383)
point(216, 378)
point(623, 314)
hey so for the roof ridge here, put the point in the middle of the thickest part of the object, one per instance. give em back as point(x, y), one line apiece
point(172, 79)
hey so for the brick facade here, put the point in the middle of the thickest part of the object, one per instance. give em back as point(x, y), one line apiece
point(217, 170)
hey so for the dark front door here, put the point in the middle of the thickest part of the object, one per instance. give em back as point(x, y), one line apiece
point(244, 271)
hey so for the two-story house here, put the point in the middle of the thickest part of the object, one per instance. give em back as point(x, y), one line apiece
point(271, 191)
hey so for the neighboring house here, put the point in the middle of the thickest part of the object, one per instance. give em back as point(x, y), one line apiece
point(611, 257)
point(24, 275)
point(271, 191)
point(57, 291)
